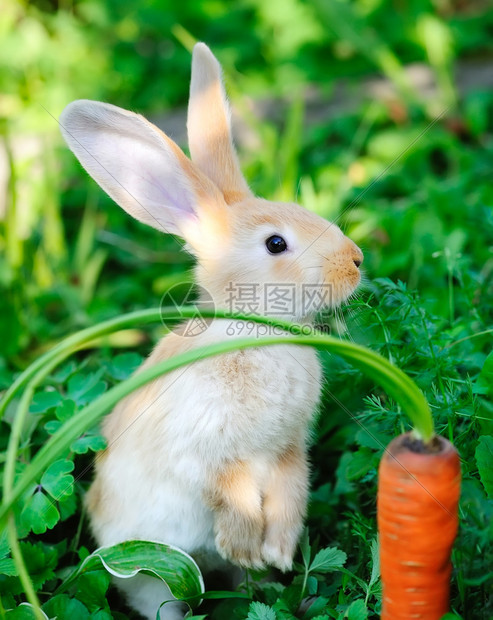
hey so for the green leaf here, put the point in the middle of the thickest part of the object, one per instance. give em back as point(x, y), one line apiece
point(484, 459)
point(41, 561)
point(43, 401)
point(343, 485)
point(102, 614)
point(57, 480)
point(84, 389)
point(371, 437)
point(315, 608)
point(305, 548)
point(25, 611)
point(375, 563)
point(259, 611)
point(282, 613)
point(348, 576)
point(40, 513)
point(478, 581)
point(328, 560)
point(311, 585)
point(92, 587)
point(62, 606)
point(7, 567)
point(4, 544)
point(125, 560)
point(123, 365)
point(359, 464)
point(484, 382)
point(63, 373)
point(87, 442)
point(65, 410)
point(93, 393)
point(291, 596)
point(357, 611)
point(68, 506)
point(52, 426)
point(224, 594)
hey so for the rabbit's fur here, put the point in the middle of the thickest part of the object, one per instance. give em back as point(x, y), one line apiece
point(212, 457)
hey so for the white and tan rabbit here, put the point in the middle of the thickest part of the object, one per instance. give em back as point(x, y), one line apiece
point(211, 458)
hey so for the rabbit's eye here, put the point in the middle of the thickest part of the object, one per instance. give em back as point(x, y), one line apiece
point(276, 244)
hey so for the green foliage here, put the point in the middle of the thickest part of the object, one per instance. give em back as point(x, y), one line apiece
point(39, 513)
point(41, 560)
point(415, 194)
point(260, 611)
point(484, 459)
point(125, 560)
point(62, 606)
point(327, 561)
point(7, 566)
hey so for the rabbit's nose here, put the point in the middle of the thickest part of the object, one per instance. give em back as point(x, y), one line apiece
point(357, 255)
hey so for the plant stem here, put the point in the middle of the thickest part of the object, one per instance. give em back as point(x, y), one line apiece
point(73, 343)
point(397, 384)
point(393, 380)
point(303, 587)
point(22, 571)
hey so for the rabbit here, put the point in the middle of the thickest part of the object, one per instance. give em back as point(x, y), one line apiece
point(212, 457)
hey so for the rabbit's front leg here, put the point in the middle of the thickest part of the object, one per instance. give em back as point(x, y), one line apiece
point(238, 520)
point(284, 508)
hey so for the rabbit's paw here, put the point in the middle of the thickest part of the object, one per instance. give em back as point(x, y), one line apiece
point(239, 539)
point(279, 547)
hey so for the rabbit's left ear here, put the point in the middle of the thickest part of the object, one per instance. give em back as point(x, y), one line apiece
point(144, 171)
point(209, 127)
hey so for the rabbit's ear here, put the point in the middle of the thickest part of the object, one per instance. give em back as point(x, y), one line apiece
point(137, 165)
point(209, 127)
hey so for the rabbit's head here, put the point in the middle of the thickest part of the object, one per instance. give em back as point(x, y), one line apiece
point(254, 255)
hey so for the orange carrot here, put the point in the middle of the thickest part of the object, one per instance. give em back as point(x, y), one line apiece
point(418, 494)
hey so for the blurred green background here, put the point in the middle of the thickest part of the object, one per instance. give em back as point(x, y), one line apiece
point(377, 114)
point(332, 95)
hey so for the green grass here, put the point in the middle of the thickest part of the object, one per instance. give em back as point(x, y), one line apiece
point(415, 194)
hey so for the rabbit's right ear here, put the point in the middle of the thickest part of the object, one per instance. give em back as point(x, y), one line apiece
point(138, 166)
point(209, 127)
